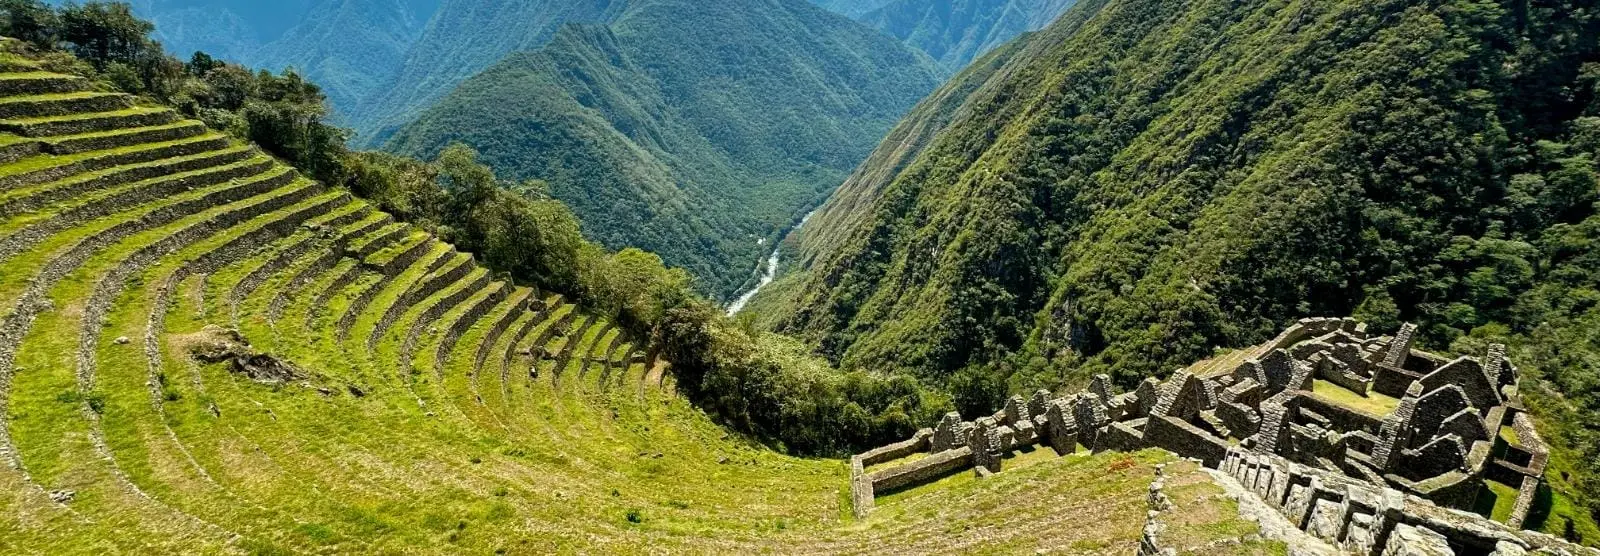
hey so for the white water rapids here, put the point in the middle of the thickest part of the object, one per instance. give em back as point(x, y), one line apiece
point(767, 274)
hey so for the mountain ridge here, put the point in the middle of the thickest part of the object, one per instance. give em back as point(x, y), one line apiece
point(710, 166)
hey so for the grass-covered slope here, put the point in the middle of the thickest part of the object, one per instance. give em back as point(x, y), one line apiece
point(687, 128)
point(1146, 181)
point(396, 396)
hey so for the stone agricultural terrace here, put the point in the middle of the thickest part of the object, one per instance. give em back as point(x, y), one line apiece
point(1363, 441)
point(204, 352)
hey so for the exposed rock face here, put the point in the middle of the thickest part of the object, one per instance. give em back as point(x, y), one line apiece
point(215, 344)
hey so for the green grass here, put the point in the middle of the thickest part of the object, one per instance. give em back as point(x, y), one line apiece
point(33, 163)
point(167, 454)
point(135, 111)
point(1509, 434)
point(1373, 403)
point(1496, 500)
point(114, 132)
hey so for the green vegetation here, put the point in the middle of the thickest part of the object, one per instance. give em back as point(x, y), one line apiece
point(351, 48)
point(454, 431)
point(1144, 182)
point(1375, 404)
point(461, 39)
point(1496, 501)
point(785, 397)
point(955, 32)
point(666, 136)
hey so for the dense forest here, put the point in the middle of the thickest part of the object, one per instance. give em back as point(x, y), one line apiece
point(663, 135)
point(1145, 183)
point(955, 32)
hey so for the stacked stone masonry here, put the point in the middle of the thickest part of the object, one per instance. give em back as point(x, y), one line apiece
point(1363, 441)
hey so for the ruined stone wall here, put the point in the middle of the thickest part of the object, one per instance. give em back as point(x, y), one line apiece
point(1361, 518)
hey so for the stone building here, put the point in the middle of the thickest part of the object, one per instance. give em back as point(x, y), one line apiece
point(1324, 396)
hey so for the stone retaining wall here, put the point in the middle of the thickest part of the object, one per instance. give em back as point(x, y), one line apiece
point(466, 320)
point(1360, 518)
point(128, 138)
point(431, 284)
point(111, 160)
point(157, 191)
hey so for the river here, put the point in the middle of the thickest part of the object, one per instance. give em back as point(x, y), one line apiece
point(767, 274)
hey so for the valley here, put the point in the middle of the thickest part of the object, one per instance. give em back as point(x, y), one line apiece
point(879, 276)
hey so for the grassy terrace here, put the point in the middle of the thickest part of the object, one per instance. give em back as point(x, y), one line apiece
point(442, 425)
point(1373, 403)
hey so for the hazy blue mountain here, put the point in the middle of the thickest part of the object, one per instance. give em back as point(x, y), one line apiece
point(352, 48)
point(231, 29)
point(463, 38)
point(852, 8)
point(955, 32)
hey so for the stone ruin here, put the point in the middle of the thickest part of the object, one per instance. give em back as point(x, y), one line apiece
point(1435, 429)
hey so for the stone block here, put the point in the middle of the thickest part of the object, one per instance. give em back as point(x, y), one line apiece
point(1015, 410)
point(921, 471)
point(1468, 375)
point(1062, 433)
point(1408, 540)
point(1399, 348)
point(1037, 404)
point(1326, 521)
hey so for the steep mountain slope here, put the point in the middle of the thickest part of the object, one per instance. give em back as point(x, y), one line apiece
point(955, 32)
point(1146, 181)
point(351, 48)
point(463, 38)
point(851, 8)
point(1171, 177)
point(688, 128)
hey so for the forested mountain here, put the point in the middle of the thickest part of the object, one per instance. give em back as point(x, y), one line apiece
point(351, 48)
point(1147, 181)
point(464, 37)
point(687, 128)
point(379, 61)
point(852, 8)
point(955, 32)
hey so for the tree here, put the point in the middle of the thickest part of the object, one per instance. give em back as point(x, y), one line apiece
point(106, 32)
point(29, 20)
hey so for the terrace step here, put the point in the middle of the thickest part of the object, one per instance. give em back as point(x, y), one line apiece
point(378, 240)
point(322, 227)
point(392, 268)
point(325, 262)
point(175, 173)
point(124, 137)
point(244, 178)
point(496, 293)
point(13, 64)
point(14, 148)
point(455, 266)
point(72, 124)
point(39, 83)
point(38, 170)
point(61, 104)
